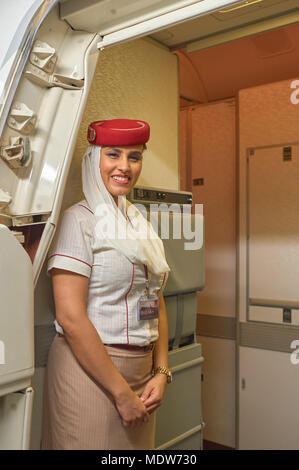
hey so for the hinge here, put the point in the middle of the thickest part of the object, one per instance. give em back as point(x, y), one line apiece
point(19, 221)
point(18, 153)
point(5, 219)
point(40, 69)
point(69, 83)
point(43, 56)
point(19, 236)
point(21, 118)
point(5, 199)
point(43, 79)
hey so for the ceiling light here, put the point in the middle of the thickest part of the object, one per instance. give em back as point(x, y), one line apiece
point(246, 4)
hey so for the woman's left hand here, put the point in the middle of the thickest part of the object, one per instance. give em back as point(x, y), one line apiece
point(152, 395)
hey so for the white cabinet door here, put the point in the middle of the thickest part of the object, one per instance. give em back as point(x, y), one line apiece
point(268, 394)
point(273, 234)
point(16, 342)
point(16, 315)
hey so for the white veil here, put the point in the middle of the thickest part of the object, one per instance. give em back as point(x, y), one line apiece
point(138, 242)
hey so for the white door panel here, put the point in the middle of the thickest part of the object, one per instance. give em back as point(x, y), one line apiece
point(16, 318)
point(273, 227)
point(15, 18)
point(268, 388)
point(19, 22)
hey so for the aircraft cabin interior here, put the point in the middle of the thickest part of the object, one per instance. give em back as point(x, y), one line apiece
point(220, 89)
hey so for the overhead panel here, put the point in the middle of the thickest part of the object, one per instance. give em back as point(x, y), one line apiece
point(243, 31)
point(107, 16)
point(245, 20)
point(117, 21)
point(226, 20)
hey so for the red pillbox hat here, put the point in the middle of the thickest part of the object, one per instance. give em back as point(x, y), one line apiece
point(118, 132)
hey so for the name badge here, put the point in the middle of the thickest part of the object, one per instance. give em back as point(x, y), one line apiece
point(148, 307)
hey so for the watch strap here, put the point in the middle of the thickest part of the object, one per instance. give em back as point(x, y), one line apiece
point(163, 370)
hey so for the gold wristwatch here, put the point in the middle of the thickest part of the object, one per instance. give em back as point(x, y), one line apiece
point(163, 370)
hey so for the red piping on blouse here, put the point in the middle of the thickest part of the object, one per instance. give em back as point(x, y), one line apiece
point(86, 208)
point(66, 256)
point(127, 304)
point(162, 284)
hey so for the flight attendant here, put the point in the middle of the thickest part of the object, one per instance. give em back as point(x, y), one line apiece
point(107, 367)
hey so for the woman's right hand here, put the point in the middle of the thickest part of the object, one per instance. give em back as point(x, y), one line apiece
point(131, 409)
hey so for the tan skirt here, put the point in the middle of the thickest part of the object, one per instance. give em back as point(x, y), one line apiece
point(80, 414)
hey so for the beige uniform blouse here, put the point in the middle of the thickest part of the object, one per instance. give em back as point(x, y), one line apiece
point(115, 283)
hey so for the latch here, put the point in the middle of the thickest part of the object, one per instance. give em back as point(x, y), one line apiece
point(19, 221)
point(43, 56)
point(287, 315)
point(19, 236)
point(43, 79)
point(68, 83)
point(18, 153)
point(5, 199)
point(41, 66)
point(21, 118)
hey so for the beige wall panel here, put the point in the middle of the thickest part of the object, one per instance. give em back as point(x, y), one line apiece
point(213, 159)
point(135, 80)
point(267, 117)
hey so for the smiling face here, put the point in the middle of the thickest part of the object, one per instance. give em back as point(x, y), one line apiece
point(120, 168)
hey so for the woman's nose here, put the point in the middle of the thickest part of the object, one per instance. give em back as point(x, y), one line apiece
point(123, 164)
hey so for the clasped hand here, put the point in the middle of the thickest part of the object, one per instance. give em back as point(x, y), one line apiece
point(153, 393)
point(135, 410)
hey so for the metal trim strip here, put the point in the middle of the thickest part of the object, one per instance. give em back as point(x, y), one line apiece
point(182, 437)
point(270, 337)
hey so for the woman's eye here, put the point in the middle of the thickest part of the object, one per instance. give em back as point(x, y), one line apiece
point(133, 157)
